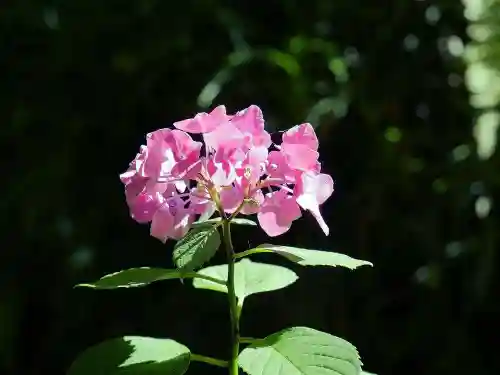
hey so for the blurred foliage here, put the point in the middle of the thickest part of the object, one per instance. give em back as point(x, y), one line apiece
point(83, 81)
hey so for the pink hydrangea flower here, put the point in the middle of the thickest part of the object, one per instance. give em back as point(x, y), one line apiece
point(174, 179)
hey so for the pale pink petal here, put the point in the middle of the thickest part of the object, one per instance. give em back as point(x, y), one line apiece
point(183, 144)
point(262, 139)
point(277, 213)
point(162, 223)
point(182, 224)
point(134, 187)
point(166, 149)
point(253, 167)
point(300, 156)
point(157, 137)
point(169, 190)
point(226, 136)
point(318, 185)
point(268, 220)
point(325, 187)
point(171, 220)
point(202, 206)
point(301, 134)
point(312, 190)
point(221, 174)
point(204, 122)
point(127, 176)
point(156, 158)
point(308, 202)
point(250, 121)
point(134, 167)
point(257, 156)
point(231, 198)
point(206, 210)
point(187, 169)
point(144, 206)
point(277, 166)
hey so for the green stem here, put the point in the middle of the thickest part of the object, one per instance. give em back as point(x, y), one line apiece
point(209, 360)
point(233, 303)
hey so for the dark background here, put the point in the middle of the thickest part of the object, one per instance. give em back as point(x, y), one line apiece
point(82, 81)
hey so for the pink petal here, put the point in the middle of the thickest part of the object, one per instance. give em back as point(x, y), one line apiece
point(325, 187)
point(206, 211)
point(202, 206)
point(299, 156)
point(187, 169)
point(231, 198)
point(171, 220)
point(158, 159)
point(168, 190)
point(253, 167)
point(277, 213)
point(162, 223)
point(144, 206)
point(204, 122)
point(277, 166)
point(134, 186)
point(181, 225)
point(221, 174)
point(308, 202)
point(312, 190)
point(250, 121)
point(226, 136)
point(318, 185)
point(301, 134)
point(182, 144)
point(166, 149)
point(257, 156)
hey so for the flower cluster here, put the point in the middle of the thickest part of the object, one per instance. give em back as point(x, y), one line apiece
point(238, 170)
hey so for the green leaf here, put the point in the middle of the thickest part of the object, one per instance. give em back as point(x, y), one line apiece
point(249, 278)
point(136, 277)
point(236, 220)
point(130, 355)
point(196, 247)
point(300, 351)
point(306, 257)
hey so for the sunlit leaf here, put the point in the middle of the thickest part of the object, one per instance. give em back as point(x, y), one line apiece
point(130, 355)
point(300, 351)
point(136, 277)
point(250, 278)
point(307, 257)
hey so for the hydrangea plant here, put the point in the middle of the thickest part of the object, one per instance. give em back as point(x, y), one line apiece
point(178, 184)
